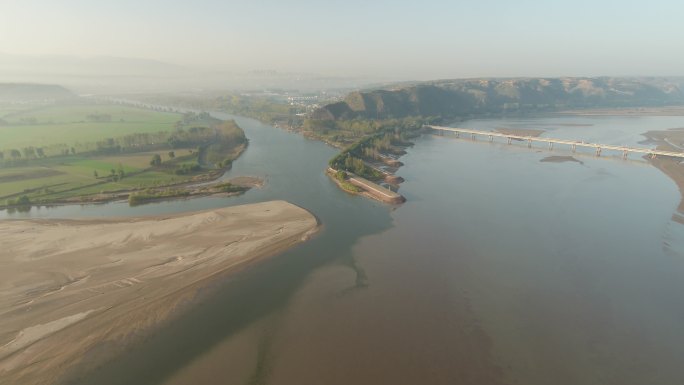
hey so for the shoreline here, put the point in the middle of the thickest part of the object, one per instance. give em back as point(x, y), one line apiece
point(189, 190)
point(665, 140)
point(365, 188)
point(83, 290)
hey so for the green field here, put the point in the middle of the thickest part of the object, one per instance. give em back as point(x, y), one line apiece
point(74, 176)
point(75, 126)
point(73, 165)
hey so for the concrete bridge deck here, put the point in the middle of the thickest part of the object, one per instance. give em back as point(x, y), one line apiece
point(551, 141)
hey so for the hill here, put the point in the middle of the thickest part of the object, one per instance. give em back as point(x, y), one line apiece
point(458, 98)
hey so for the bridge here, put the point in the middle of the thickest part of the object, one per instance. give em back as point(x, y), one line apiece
point(550, 141)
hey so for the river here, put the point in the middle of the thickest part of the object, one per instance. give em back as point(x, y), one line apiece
point(499, 269)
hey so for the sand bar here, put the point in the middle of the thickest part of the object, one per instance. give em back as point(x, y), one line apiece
point(628, 111)
point(68, 288)
point(560, 159)
point(520, 131)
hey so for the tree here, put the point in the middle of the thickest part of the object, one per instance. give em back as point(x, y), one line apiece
point(172, 154)
point(15, 154)
point(2, 155)
point(156, 160)
point(29, 152)
point(24, 201)
point(40, 152)
point(73, 151)
point(120, 171)
point(95, 174)
point(341, 175)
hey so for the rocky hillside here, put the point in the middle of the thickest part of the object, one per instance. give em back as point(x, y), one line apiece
point(25, 92)
point(458, 98)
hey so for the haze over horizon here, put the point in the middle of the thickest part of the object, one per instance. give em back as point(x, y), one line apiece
point(384, 39)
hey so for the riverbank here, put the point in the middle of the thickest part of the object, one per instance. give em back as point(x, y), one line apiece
point(196, 189)
point(75, 293)
point(233, 187)
point(356, 185)
point(196, 149)
point(670, 140)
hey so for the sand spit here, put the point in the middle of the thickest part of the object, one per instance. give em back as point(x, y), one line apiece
point(560, 159)
point(75, 291)
point(520, 131)
point(628, 111)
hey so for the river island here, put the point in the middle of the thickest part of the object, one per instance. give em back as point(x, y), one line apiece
point(76, 292)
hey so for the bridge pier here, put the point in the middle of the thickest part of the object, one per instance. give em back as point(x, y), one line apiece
point(458, 134)
point(491, 138)
point(624, 154)
point(509, 140)
point(653, 156)
point(473, 136)
point(529, 143)
point(574, 147)
point(598, 151)
point(550, 145)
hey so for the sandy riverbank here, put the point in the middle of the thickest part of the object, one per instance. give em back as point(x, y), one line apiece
point(670, 140)
point(74, 292)
point(675, 171)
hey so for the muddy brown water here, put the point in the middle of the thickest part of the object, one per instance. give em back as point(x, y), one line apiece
point(499, 269)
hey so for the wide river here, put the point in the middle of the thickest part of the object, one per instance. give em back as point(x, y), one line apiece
point(499, 269)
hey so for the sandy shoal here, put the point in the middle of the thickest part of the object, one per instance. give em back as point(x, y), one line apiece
point(560, 159)
point(674, 110)
point(520, 131)
point(69, 287)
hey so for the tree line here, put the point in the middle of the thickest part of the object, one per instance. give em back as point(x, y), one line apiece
point(203, 130)
point(377, 137)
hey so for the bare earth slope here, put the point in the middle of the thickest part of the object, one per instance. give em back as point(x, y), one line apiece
point(69, 286)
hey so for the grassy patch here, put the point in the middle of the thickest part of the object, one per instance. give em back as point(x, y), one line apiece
point(146, 196)
point(74, 126)
point(91, 113)
point(350, 187)
point(141, 160)
point(113, 149)
point(76, 177)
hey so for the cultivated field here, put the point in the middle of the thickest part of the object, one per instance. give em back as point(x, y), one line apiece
point(92, 149)
point(79, 125)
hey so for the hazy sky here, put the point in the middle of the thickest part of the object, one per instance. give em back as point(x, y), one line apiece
point(410, 39)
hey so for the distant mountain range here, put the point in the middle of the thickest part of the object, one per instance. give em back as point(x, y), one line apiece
point(458, 98)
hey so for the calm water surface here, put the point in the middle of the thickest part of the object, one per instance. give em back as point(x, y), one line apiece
point(499, 269)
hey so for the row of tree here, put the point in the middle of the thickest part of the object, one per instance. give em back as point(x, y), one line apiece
point(212, 130)
point(115, 175)
point(28, 153)
point(377, 137)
